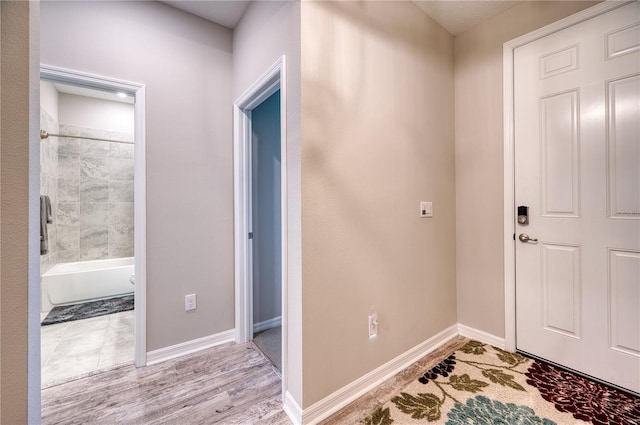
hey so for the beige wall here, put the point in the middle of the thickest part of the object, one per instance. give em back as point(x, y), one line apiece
point(185, 63)
point(479, 158)
point(377, 138)
point(19, 244)
point(267, 31)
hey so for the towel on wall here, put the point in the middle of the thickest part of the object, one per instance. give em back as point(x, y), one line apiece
point(45, 217)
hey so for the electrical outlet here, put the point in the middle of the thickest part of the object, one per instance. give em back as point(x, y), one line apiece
point(189, 302)
point(373, 324)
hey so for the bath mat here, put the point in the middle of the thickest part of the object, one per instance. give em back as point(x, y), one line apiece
point(68, 313)
point(484, 385)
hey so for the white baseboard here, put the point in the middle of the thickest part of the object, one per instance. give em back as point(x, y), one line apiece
point(189, 347)
point(267, 324)
point(481, 336)
point(292, 409)
point(339, 399)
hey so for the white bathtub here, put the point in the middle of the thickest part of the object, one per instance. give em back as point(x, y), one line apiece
point(70, 283)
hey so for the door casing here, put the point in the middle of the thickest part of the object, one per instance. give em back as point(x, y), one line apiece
point(509, 158)
point(272, 79)
point(137, 90)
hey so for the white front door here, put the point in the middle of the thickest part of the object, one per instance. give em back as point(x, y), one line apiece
point(577, 169)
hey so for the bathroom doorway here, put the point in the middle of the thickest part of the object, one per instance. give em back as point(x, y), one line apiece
point(92, 204)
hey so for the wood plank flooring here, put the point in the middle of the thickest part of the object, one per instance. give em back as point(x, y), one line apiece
point(229, 384)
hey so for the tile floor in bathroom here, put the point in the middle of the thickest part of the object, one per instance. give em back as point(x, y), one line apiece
point(75, 349)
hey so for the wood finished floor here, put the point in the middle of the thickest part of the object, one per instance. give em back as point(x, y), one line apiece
point(228, 384)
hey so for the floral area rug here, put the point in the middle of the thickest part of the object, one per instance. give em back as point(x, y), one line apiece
point(484, 385)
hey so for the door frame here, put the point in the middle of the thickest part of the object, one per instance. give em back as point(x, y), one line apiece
point(137, 90)
point(269, 82)
point(509, 151)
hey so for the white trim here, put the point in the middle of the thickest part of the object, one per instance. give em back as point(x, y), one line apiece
point(509, 162)
point(292, 409)
point(509, 200)
point(68, 76)
point(189, 347)
point(482, 336)
point(272, 80)
point(243, 311)
point(267, 324)
point(140, 227)
point(347, 394)
point(259, 91)
point(284, 213)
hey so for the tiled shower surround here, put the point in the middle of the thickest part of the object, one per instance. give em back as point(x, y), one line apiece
point(93, 214)
point(49, 183)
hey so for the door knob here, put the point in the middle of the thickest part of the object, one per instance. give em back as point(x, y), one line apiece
point(525, 238)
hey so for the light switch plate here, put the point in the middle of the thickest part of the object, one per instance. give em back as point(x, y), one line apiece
point(426, 209)
point(373, 324)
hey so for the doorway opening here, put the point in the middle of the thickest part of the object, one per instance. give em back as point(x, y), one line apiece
point(92, 231)
point(260, 210)
point(265, 229)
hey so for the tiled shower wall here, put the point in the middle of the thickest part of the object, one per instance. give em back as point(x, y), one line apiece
point(49, 184)
point(94, 214)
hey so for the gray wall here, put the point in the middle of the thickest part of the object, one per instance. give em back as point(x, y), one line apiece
point(276, 24)
point(266, 197)
point(185, 63)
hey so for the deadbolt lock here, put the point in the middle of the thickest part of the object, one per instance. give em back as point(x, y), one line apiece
point(523, 215)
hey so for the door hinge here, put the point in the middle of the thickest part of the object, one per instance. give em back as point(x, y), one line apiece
point(251, 235)
point(514, 236)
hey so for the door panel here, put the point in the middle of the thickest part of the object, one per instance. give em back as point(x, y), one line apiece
point(624, 126)
point(624, 284)
point(561, 289)
point(559, 62)
point(560, 163)
point(577, 160)
point(623, 41)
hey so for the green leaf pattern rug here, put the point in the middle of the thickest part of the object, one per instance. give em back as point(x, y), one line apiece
point(484, 385)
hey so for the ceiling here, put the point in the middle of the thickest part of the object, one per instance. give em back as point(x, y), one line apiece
point(456, 16)
point(224, 12)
